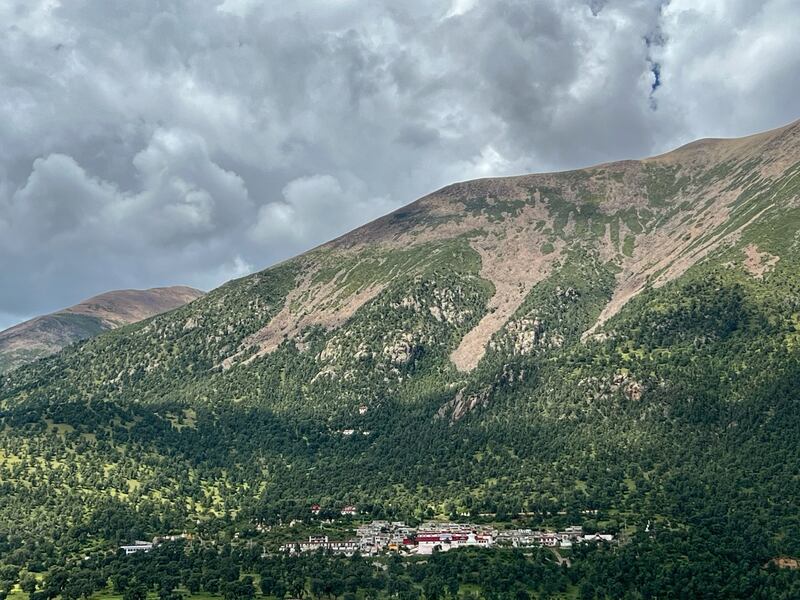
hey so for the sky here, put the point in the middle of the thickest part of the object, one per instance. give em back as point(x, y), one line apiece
point(193, 141)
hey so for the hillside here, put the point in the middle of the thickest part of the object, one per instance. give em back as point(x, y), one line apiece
point(45, 335)
point(615, 346)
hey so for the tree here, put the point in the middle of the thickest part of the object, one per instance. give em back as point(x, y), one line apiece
point(120, 582)
point(193, 583)
point(135, 592)
point(239, 590)
point(28, 584)
point(587, 591)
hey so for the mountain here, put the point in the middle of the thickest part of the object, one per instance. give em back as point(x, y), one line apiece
point(45, 335)
point(614, 346)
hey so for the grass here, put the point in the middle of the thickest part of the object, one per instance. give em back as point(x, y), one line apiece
point(17, 594)
point(494, 209)
point(632, 221)
point(663, 184)
point(351, 274)
point(628, 244)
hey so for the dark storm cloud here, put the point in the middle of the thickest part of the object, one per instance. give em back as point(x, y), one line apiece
point(191, 141)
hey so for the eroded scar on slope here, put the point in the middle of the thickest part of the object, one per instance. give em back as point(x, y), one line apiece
point(513, 268)
point(664, 256)
point(758, 263)
point(308, 304)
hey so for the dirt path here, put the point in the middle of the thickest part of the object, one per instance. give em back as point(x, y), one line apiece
point(561, 559)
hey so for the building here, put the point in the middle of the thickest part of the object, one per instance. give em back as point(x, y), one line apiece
point(316, 509)
point(379, 536)
point(321, 542)
point(373, 528)
point(171, 538)
point(598, 537)
point(349, 510)
point(519, 538)
point(550, 540)
point(427, 543)
point(564, 539)
point(137, 546)
point(436, 527)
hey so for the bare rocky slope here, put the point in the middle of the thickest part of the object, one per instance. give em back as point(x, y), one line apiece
point(47, 334)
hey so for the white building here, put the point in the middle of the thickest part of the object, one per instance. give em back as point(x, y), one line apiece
point(551, 540)
point(598, 537)
point(444, 541)
point(137, 546)
point(321, 542)
point(520, 538)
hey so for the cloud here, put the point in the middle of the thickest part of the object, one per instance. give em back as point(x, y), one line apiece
point(187, 142)
point(68, 230)
point(315, 208)
point(730, 68)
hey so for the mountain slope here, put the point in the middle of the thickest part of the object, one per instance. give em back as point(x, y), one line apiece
point(616, 346)
point(45, 335)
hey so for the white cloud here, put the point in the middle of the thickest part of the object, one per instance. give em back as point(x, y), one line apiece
point(459, 7)
point(315, 207)
point(64, 222)
point(184, 142)
point(730, 68)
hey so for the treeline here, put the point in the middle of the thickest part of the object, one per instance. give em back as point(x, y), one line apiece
point(648, 567)
point(173, 569)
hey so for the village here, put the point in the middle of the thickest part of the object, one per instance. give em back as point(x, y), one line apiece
point(379, 537)
point(382, 536)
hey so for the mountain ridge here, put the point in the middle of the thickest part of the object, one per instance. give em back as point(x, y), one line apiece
point(386, 231)
point(47, 334)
